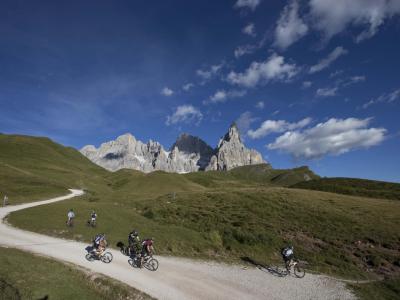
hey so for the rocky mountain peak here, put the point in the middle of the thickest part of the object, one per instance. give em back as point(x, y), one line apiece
point(188, 154)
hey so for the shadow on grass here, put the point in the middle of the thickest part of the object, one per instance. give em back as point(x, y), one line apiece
point(274, 270)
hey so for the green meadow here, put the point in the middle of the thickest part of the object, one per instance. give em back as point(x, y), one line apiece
point(250, 211)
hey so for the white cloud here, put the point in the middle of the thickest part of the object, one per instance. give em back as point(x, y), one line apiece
point(324, 63)
point(249, 30)
point(222, 96)
point(333, 16)
point(306, 84)
point(271, 126)
point(274, 68)
point(275, 112)
point(186, 87)
point(167, 92)
point(244, 49)
point(251, 4)
point(260, 105)
point(185, 114)
point(211, 72)
point(353, 80)
point(334, 137)
point(336, 73)
point(326, 92)
point(384, 98)
point(290, 27)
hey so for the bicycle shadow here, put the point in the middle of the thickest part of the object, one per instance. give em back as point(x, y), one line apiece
point(273, 270)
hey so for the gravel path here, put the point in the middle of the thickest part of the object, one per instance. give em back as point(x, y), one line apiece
point(176, 278)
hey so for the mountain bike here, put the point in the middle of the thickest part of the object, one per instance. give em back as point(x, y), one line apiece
point(91, 223)
point(70, 222)
point(298, 270)
point(105, 257)
point(149, 262)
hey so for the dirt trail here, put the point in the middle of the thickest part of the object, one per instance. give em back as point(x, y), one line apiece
point(176, 278)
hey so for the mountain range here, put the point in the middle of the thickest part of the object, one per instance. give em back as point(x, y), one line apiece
point(188, 154)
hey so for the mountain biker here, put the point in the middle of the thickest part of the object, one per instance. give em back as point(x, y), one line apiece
point(147, 249)
point(93, 217)
point(71, 216)
point(99, 244)
point(134, 242)
point(287, 255)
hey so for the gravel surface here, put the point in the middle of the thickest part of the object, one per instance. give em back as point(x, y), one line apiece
point(176, 278)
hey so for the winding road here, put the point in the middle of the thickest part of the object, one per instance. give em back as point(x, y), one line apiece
point(176, 278)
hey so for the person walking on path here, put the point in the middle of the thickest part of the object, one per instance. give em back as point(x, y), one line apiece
point(5, 200)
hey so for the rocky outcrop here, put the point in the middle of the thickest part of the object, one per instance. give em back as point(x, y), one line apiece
point(232, 153)
point(187, 154)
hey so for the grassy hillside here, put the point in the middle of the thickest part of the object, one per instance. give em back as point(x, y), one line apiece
point(353, 186)
point(28, 276)
point(35, 168)
point(248, 211)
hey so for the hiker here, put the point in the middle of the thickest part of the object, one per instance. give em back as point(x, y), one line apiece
point(5, 200)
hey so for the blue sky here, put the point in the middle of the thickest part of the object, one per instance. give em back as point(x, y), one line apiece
point(311, 82)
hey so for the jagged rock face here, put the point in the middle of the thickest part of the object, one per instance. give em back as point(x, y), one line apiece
point(187, 154)
point(189, 144)
point(128, 153)
point(232, 153)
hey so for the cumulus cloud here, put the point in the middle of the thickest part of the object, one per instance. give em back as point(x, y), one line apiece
point(222, 96)
point(326, 92)
point(251, 4)
point(249, 29)
point(167, 92)
point(327, 61)
point(272, 126)
point(209, 73)
point(186, 87)
point(260, 105)
point(185, 114)
point(290, 27)
point(384, 98)
point(274, 68)
point(334, 137)
point(333, 16)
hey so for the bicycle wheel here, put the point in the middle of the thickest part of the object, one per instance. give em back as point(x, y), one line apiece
point(299, 272)
point(106, 257)
point(89, 257)
point(152, 264)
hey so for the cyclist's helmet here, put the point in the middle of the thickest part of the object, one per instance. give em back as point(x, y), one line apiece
point(291, 247)
point(134, 232)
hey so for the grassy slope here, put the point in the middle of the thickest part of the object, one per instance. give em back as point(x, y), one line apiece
point(388, 290)
point(31, 274)
point(219, 215)
point(35, 168)
point(354, 186)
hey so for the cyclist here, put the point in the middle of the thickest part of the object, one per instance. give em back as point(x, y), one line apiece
point(93, 217)
point(287, 255)
point(147, 249)
point(70, 216)
point(134, 243)
point(99, 244)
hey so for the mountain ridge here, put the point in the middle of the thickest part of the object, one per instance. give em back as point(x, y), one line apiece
point(188, 154)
